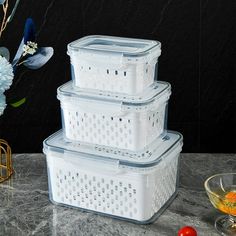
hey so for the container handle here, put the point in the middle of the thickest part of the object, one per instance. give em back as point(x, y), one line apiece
point(98, 59)
point(114, 109)
point(105, 166)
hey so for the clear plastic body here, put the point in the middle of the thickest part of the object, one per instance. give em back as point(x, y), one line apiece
point(120, 65)
point(105, 185)
point(111, 123)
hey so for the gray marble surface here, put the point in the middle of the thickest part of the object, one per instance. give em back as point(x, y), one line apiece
point(25, 208)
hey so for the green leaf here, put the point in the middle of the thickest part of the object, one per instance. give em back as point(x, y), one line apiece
point(18, 103)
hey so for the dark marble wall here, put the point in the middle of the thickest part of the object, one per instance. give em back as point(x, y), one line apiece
point(198, 59)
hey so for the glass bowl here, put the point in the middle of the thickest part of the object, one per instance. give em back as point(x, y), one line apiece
point(221, 190)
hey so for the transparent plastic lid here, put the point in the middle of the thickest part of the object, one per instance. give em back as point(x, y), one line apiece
point(150, 156)
point(116, 45)
point(157, 92)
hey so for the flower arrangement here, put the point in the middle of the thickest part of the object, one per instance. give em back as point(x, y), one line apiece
point(29, 54)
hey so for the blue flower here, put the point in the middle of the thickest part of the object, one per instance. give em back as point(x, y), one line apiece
point(6, 74)
point(29, 31)
point(2, 103)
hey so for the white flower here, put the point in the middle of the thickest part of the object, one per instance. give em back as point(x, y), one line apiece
point(30, 48)
point(6, 74)
point(2, 103)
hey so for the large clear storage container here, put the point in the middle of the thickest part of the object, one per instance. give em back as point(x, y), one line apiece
point(120, 186)
point(121, 65)
point(124, 122)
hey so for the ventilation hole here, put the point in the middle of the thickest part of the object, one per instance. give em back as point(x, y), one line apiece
point(152, 124)
point(116, 72)
point(147, 70)
point(107, 71)
point(112, 118)
point(124, 73)
point(120, 119)
point(89, 68)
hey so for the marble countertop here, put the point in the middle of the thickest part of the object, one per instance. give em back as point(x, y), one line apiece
point(25, 208)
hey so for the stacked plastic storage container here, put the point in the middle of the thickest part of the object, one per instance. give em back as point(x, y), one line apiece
point(114, 154)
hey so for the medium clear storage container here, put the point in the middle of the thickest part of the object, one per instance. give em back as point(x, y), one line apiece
point(124, 122)
point(117, 185)
point(120, 65)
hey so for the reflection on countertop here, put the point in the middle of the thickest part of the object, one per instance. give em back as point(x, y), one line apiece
point(25, 208)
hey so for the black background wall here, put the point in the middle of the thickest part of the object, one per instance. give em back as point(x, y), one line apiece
point(198, 59)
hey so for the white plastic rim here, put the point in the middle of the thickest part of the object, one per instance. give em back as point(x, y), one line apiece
point(126, 78)
point(128, 130)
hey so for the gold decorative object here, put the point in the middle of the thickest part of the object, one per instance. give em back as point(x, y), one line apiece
point(6, 169)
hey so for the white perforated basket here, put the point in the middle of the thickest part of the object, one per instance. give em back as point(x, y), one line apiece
point(121, 122)
point(114, 64)
point(135, 190)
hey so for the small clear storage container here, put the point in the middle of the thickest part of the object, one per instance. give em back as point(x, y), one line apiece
point(115, 64)
point(118, 185)
point(124, 122)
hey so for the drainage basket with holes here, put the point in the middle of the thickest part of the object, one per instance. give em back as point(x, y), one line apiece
point(138, 190)
point(115, 64)
point(125, 122)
